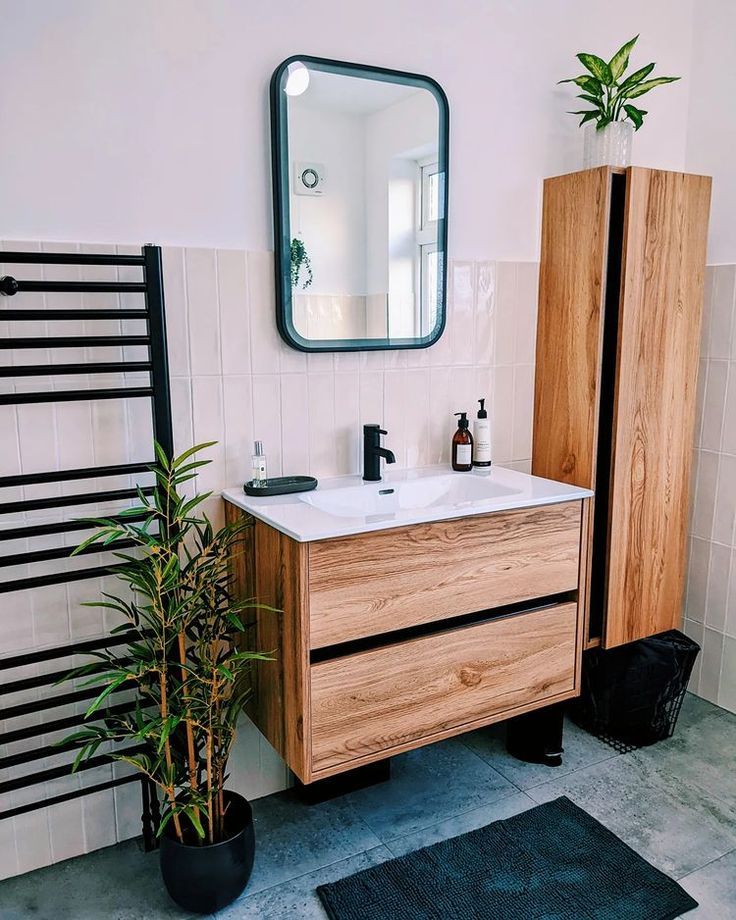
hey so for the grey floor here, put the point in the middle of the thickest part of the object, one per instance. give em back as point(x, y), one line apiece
point(675, 803)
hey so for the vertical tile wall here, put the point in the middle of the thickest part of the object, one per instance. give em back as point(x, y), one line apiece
point(234, 380)
point(710, 604)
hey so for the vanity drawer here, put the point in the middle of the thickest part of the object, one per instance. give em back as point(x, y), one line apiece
point(397, 697)
point(386, 580)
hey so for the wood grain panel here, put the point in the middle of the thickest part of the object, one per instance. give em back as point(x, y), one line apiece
point(570, 325)
point(241, 566)
point(659, 336)
point(586, 541)
point(382, 581)
point(283, 686)
point(271, 568)
point(375, 703)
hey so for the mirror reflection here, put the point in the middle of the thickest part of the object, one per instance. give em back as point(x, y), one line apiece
point(362, 162)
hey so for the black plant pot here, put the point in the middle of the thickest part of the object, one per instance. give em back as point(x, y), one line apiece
point(207, 878)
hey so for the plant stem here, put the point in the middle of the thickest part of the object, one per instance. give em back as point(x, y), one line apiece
point(210, 825)
point(170, 791)
point(192, 760)
point(220, 804)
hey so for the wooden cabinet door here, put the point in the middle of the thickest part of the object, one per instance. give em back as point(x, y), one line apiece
point(391, 699)
point(654, 410)
point(572, 274)
point(379, 582)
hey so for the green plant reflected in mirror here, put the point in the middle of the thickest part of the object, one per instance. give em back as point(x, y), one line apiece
point(360, 184)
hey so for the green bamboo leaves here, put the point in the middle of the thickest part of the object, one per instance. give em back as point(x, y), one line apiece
point(183, 657)
point(608, 92)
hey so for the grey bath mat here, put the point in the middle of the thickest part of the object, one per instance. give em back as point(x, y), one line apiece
point(553, 862)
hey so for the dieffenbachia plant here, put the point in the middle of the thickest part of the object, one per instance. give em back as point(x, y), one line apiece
point(609, 92)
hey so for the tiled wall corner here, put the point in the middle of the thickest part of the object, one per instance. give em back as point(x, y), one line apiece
point(710, 600)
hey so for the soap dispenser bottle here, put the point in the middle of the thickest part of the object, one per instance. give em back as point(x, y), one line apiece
point(462, 446)
point(482, 438)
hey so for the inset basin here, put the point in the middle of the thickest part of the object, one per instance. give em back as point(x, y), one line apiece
point(379, 498)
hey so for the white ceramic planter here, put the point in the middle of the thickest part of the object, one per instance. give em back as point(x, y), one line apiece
point(611, 146)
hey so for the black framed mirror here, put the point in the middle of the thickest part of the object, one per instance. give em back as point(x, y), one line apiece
point(360, 194)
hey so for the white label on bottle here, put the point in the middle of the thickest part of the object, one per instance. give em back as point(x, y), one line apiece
point(482, 441)
point(464, 454)
point(259, 469)
point(482, 451)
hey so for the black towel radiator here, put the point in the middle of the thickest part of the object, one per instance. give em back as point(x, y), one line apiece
point(157, 391)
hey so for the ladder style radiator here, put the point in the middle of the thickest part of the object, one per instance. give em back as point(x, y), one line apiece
point(34, 516)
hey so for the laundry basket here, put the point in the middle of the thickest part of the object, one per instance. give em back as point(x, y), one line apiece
point(632, 695)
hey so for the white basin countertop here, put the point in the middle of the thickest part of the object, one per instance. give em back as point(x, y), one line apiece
point(347, 505)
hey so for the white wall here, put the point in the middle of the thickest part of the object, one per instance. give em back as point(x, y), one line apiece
point(331, 225)
point(710, 606)
point(710, 609)
point(711, 139)
point(148, 120)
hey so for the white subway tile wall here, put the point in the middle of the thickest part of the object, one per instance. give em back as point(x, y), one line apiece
point(234, 380)
point(710, 602)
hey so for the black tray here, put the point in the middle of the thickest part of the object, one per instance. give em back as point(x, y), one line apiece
point(281, 485)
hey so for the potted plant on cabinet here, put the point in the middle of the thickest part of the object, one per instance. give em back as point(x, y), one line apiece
point(612, 116)
point(190, 678)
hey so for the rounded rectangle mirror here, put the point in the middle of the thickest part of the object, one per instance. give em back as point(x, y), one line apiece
point(360, 186)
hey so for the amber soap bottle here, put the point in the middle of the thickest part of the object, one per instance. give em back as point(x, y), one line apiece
point(462, 446)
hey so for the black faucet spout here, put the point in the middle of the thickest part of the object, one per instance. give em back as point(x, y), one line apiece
point(372, 453)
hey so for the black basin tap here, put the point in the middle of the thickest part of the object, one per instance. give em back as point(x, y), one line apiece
point(372, 453)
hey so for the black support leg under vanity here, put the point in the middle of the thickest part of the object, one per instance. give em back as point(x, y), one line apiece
point(334, 786)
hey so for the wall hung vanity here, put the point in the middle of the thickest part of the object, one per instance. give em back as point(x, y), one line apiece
point(618, 337)
point(412, 609)
point(360, 191)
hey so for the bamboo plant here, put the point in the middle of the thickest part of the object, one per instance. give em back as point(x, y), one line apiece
point(183, 659)
point(609, 92)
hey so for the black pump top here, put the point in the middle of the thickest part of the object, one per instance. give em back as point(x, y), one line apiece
point(463, 423)
point(482, 413)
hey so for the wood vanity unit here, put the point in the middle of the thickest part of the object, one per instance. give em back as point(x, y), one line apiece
point(391, 639)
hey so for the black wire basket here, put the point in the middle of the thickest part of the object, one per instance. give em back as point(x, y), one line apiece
point(632, 695)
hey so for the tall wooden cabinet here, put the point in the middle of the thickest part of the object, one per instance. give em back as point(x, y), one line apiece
point(620, 303)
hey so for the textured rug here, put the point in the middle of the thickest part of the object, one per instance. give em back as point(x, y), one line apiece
point(553, 862)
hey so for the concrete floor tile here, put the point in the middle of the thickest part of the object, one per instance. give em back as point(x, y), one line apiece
point(461, 824)
point(581, 750)
point(714, 888)
point(117, 883)
point(293, 839)
point(427, 786)
point(297, 898)
point(702, 754)
point(674, 825)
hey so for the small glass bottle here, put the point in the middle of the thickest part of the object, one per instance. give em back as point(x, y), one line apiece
point(462, 446)
point(260, 475)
